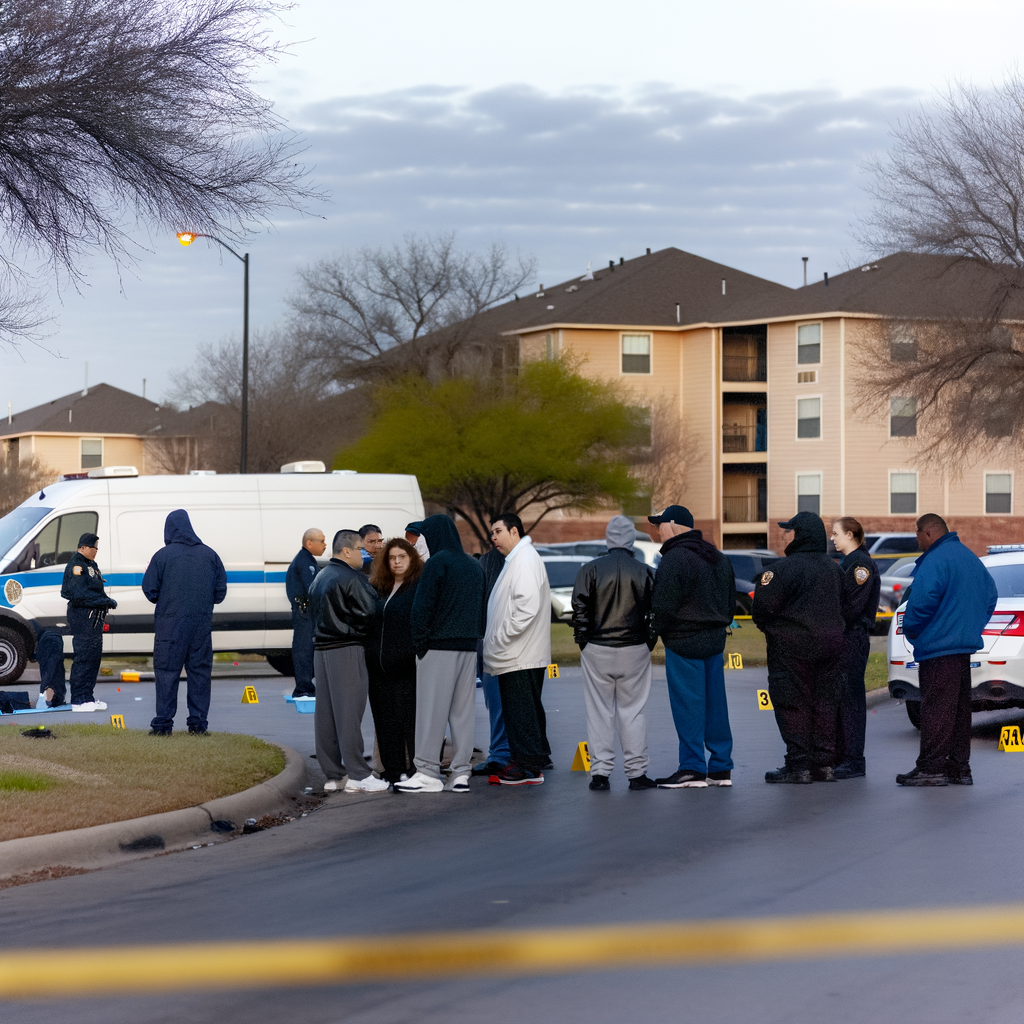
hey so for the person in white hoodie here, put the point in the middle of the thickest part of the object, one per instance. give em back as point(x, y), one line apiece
point(517, 649)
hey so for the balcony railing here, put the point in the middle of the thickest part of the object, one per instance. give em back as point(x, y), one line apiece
point(739, 438)
point(743, 367)
point(742, 510)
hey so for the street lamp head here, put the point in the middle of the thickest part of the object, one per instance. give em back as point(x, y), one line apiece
point(186, 237)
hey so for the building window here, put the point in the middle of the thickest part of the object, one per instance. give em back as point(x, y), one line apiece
point(808, 417)
point(999, 493)
point(636, 353)
point(92, 452)
point(902, 346)
point(808, 493)
point(808, 343)
point(553, 345)
point(903, 494)
point(903, 417)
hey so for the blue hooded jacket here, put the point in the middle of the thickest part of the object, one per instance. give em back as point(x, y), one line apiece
point(185, 578)
point(950, 602)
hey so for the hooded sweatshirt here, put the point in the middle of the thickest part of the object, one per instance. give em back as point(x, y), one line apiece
point(446, 611)
point(798, 601)
point(185, 578)
point(519, 614)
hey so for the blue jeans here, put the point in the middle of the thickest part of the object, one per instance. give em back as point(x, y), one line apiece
point(499, 751)
point(696, 693)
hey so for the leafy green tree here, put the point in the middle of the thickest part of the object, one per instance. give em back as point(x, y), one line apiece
point(544, 440)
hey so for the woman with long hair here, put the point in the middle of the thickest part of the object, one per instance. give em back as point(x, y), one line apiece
point(390, 658)
point(861, 585)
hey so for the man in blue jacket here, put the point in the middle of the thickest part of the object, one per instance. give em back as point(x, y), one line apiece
point(952, 599)
point(185, 579)
point(297, 582)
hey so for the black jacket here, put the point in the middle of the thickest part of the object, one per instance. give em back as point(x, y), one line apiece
point(694, 596)
point(611, 602)
point(342, 605)
point(389, 650)
point(861, 587)
point(185, 578)
point(492, 562)
point(448, 610)
point(798, 601)
point(298, 578)
point(83, 584)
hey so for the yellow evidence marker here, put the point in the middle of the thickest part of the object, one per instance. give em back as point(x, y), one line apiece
point(552, 671)
point(249, 695)
point(117, 721)
point(581, 762)
point(130, 677)
point(1009, 739)
point(734, 661)
point(764, 701)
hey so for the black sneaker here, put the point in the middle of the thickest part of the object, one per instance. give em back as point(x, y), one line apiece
point(684, 779)
point(600, 782)
point(642, 782)
point(826, 773)
point(720, 778)
point(960, 778)
point(793, 776)
point(159, 732)
point(513, 775)
point(920, 778)
point(194, 730)
point(849, 770)
point(487, 768)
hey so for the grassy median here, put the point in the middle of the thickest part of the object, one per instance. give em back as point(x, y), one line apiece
point(91, 774)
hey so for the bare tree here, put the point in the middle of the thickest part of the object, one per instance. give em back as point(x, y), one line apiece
point(19, 479)
point(414, 306)
point(122, 109)
point(952, 186)
point(665, 458)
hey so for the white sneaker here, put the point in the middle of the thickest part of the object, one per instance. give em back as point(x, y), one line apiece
point(99, 705)
point(367, 785)
point(332, 785)
point(460, 784)
point(85, 708)
point(420, 783)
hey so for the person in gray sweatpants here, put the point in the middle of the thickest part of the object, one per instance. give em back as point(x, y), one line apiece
point(611, 617)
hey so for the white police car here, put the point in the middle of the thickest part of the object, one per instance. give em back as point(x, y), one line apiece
point(997, 670)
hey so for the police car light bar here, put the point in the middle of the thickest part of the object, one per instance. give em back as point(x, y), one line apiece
point(105, 472)
point(1000, 549)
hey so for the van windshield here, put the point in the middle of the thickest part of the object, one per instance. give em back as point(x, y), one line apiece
point(16, 524)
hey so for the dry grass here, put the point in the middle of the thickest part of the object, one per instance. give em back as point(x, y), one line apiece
point(91, 774)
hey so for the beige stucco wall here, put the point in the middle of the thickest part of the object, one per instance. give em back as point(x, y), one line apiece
point(62, 452)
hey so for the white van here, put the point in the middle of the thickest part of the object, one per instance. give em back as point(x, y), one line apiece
point(254, 522)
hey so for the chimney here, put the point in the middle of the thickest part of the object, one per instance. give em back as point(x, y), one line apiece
point(805, 259)
point(611, 265)
point(648, 250)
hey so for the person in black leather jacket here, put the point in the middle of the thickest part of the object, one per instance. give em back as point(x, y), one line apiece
point(798, 605)
point(611, 618)
point(342, 604)
point(861, 585)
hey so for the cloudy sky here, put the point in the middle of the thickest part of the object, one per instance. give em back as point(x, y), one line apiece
point(574, 132)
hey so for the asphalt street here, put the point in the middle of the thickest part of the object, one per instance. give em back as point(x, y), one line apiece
point(559, 854)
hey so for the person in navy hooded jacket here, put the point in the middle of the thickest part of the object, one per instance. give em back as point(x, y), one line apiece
point(949, 604)
point(185, 579)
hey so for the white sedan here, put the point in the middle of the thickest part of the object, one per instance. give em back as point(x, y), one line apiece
point(997, 670)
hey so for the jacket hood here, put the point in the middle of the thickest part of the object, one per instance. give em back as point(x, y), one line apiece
point(621, 533)
point(178, 529)
point(441, 534)
point(695, 542)
point(809, 533)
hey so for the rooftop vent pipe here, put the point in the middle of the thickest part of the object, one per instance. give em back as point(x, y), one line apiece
point(826, 278)
point(805, 259)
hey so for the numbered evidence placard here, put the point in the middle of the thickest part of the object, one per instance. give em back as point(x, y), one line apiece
point(734, 660)
point(764, 701)
point(1009, 739)
point(249, 695)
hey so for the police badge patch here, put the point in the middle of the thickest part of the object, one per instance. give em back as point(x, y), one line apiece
point(861, 575)
point(77, 570)
point(766, 578)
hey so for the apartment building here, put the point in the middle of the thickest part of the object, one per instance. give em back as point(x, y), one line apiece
point(760, 380)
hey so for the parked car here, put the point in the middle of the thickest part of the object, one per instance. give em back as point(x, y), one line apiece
point(562, 570)
point(886, 548)
point(749, 563)
point(997, 669)
point(647, 549)
point(895, 583)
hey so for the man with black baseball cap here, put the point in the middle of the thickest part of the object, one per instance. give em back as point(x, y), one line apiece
point(798, 605)
point(693, 604)
point(87, 607)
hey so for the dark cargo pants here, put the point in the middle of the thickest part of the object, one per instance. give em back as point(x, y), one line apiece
point(945, 714)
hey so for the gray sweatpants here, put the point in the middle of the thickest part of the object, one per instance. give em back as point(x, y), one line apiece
point(341, 688)
point(616, 685)
point(445, 694)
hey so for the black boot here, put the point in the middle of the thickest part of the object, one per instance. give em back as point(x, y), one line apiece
point(795, 776)
point(599, 782)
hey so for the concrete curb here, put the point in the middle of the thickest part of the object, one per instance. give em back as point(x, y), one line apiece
point(879, 696)
point(101, 846)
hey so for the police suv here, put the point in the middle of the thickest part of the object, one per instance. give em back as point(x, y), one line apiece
point(997, 670)
point(254, 522)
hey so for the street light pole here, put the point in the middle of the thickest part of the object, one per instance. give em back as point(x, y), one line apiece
point(187, 238)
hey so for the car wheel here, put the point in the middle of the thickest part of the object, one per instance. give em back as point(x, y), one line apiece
point(13, 656)
point(281, 662)
point(914, 713)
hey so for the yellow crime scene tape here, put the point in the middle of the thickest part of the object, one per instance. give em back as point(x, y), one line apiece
point(130, 970)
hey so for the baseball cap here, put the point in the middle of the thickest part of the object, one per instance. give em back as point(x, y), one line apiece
point(673, 514)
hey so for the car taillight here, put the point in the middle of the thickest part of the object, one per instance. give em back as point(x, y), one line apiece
point(897, 587)
point(1005, 624)
point(751, 594)
point(899, 623)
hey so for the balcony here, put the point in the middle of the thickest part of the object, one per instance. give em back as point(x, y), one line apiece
point(745, 353)
point(743, 509)
point(740, 438)
point(743, 367)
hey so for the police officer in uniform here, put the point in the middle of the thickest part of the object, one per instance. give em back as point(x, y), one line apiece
point(798, 605)
point(297, 580)
point(87, 608)
point(861, 584)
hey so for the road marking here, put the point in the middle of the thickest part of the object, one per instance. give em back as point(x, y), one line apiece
point(121, 970)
